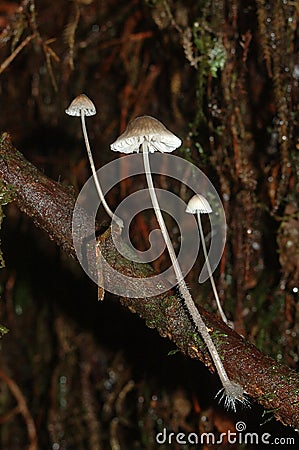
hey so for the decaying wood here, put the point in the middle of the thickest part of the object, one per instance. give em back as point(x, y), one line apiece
point(50, 205)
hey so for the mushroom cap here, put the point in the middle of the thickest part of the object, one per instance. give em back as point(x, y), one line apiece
point(146, 129)
point(81, 103)
point(198, 204)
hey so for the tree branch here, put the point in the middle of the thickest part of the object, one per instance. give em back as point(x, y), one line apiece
point(50, 205)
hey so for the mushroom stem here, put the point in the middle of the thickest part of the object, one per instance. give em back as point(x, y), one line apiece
point(223, 316)
point(233, 391)
point(113, 216)
point(156, 206)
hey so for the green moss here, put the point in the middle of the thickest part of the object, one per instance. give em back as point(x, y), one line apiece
point(212, 54)
point(3, 331)
point(198, 339)
point(3, 137)
point(269, 396)
point(218, 338)
point(173, 352)
point(268, 416)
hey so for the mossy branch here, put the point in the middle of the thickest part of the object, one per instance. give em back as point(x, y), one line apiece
point(50, 205)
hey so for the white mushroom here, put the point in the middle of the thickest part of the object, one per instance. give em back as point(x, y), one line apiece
point(148, 135)
point(82, 106)
point(198, 204)
point(142, 130)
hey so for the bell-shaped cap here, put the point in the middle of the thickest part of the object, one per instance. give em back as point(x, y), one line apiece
point(198, 204)
point(146, 129)
point(81, 104)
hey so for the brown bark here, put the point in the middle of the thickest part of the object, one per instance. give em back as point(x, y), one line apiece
point(50, 205)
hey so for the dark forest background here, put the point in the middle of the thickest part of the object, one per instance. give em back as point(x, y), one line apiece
point(222, 75)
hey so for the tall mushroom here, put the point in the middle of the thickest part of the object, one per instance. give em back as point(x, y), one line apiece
point(82, 106)
point(198, 204)
point(148, 135)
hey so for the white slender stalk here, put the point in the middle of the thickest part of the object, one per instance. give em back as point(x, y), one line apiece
point(117, 219)
point(223, 316)
point(232, 391)
point(159, 216)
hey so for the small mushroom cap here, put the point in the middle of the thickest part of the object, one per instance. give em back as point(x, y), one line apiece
point(146, 129)
point(81, 103)
point(198, 204)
